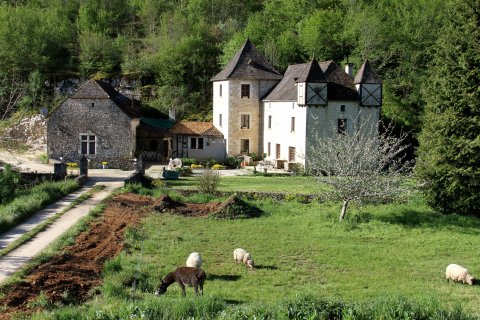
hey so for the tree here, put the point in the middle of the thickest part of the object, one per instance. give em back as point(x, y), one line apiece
point(449, 152)
point(362, 166)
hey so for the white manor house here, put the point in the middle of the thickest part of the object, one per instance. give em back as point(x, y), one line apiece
point(258, 110)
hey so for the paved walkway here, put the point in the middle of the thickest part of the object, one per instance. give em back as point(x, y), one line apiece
point(16, 259)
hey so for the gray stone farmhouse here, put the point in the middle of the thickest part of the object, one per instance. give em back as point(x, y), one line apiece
point(105, 126)
point(100, 123)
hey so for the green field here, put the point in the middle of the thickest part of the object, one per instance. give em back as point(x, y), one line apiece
point(303, 185)
point(382, 253)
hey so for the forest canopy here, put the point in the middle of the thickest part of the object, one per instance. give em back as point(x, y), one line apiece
point(171, 49)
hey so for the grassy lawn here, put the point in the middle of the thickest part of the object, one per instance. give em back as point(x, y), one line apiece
point(303, 185)
point(383, 252)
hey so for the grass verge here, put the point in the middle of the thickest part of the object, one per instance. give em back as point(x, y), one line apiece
point(29, 202)
point(42, 226)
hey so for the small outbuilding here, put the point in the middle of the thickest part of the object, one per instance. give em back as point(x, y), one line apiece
point(199, 140)
point(96, 121)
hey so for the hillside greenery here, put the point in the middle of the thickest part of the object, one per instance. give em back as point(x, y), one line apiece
point(171, 49)
point(449, 153)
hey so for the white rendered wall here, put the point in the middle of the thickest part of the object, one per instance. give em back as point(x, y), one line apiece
point(220, 106)
point(280, 131)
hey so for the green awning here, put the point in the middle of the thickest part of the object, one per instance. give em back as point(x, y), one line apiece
point(157, 123)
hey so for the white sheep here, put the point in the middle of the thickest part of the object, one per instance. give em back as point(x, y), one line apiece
point(458, 273)
point(241, 255)
point(194, 260)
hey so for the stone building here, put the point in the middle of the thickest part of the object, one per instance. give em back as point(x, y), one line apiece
point(96, 121)
point(260, 111)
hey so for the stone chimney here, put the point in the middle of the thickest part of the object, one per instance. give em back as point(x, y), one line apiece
point(172, 114)
point(349, 69)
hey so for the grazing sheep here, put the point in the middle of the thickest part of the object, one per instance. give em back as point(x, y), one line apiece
point(241, 255)
point(194, 260)
point(458, 273)
point(184, 276)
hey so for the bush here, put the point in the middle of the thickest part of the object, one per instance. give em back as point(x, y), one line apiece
point(9, 184)
point(231, 163)
point(209, 181)
point(188, 161)
point(210, 163)
point(218, 167)
point(196, 166)
point(184, 171)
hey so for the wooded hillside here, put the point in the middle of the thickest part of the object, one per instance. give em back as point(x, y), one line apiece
point(175, 47)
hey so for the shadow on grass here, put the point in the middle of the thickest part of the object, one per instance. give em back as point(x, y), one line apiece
point(266, 267)
point(412, 218)
point(223, 277)
point(233, 302)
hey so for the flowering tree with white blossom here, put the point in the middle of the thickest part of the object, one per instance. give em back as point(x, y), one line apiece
point(362, 167)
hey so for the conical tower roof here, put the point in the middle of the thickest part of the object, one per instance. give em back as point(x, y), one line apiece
point(366, 74)
point(312, 73)
point(248, 63)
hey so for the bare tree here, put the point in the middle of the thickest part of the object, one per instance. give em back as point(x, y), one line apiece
point(12, 90)
point(363, 166)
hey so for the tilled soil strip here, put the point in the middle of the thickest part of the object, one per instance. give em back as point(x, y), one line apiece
point(72, 274)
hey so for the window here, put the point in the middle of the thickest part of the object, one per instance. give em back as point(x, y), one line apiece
point(268, 149)
point(93, 104)
point(220, 119)
point(342, 108)
point(88, 143)
point(220, 90)
point(244, 146)
point(269, 122)
point(245, 121)
point(292, 125)
point(342, 126)
point(196, 143)
point(277, 152)
point(245, 92)
point(291, 154)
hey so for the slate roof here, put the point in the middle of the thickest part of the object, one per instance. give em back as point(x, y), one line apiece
point(366, 74)
point(312, 73)
point(194, 128)
point(340, 85)
point(95, 89)
point(248, 63)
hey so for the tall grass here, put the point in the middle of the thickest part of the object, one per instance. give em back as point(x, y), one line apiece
point(32, 200)
point(300, 307)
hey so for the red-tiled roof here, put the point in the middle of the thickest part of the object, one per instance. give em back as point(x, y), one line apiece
point(193, 128)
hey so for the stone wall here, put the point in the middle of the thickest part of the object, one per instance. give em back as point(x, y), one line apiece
point(114, 131)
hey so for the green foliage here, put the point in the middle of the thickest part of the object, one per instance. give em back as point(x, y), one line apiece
point(189, 161)
point(30, 201)
point(9, 183)
point(184, 171)
point(449, 152)
point(208, 181)
point(232, 163)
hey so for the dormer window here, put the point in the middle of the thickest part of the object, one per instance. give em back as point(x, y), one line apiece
point(245, 91)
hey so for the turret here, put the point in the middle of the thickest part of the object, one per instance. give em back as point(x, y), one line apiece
point(369, 86)
point(312, 86)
